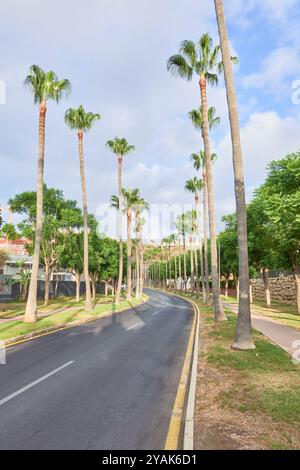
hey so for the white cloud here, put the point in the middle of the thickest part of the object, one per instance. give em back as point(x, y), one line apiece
point(276, 70)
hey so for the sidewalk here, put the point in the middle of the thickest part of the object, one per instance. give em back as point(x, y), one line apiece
point(284, 336)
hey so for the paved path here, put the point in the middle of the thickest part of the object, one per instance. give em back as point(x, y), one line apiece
point(285, 336)
point(109, 384)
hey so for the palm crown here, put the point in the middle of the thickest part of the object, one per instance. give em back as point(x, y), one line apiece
point(130, 200)
point(197, 119)
point(45, 85)
point(193, 185)
point(198, 159)
point(201, 58)
point(79, 119)
point(120, 146)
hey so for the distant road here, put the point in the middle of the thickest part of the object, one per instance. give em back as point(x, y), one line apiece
point(110, 384)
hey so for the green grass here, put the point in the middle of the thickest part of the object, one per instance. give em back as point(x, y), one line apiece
point(280, 404)
point(263, 382)
point(17, 328)
point(265, 357)
point(13, 309)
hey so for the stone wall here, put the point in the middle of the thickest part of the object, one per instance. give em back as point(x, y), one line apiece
point(282, 289)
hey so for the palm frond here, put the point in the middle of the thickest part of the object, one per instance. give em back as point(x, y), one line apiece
point(212, 78)
point(196, 117)
point(79, 119)
point(178, 66)
point(188, 49)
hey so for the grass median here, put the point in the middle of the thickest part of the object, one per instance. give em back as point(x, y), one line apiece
point(70, 312)
point(246, 399)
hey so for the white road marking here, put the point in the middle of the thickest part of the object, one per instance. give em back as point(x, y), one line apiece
point(134, 326)
point(32, 384)
point(155, 313)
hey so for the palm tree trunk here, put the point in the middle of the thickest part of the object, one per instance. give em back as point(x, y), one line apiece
point(47, 284)
point(201, 248)
point(196, 263)
point(129, 254)
point(120, 279)
point(218, 307)
point(31, 305)
point(142, 273)
point(179, 266)
point(192, 266)
point(77, 280)
point(251, 293)
point(175, 273)
point(88, 299)
point(296, 274)
point(226, 285)
point(265, 276)
point(137, 261)
point(205, 235)
point(243, 338)
point(93, 289)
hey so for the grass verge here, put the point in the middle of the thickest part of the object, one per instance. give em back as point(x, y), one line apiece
point(12, 329)
point(248, 399)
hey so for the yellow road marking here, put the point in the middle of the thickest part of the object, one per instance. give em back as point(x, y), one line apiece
point(174, 436)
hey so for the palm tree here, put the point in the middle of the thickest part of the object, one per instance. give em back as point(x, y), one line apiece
point(139, 208)
point(181, 228)
point(44, 86)
point(81, 121)
point(243, 338)
point(194, 186)
point(120, 147)
point(131, 198)
point(202, 59)
point(198, 160)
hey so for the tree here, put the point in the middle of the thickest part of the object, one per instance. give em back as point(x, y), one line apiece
point(243, 337)
point(202, 59)
point(109, 260)
point(81, 121)
point(45, 86)
point(120, 147)
point(55, 221)
point(280, 198)
point(3, 258)
point(194, 186)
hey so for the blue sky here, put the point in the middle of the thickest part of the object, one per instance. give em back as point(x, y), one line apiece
point(115, 52)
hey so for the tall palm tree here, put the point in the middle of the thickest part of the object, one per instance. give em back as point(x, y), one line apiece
point(173, 239)
point(198, 160)
point(202, 59)
point(131, 198)
point(243, 338)
point(44, 86)
point(81, 121)
point(120, 147)
point(194, 186)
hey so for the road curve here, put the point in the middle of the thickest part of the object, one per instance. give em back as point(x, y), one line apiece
point(110, 384)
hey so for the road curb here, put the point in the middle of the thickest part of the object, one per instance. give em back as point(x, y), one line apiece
point(64, 326)
point(181, 428)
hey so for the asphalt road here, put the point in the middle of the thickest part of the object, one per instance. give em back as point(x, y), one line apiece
point(110, 384)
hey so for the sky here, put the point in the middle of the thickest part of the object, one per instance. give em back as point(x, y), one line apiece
point(114, 52)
